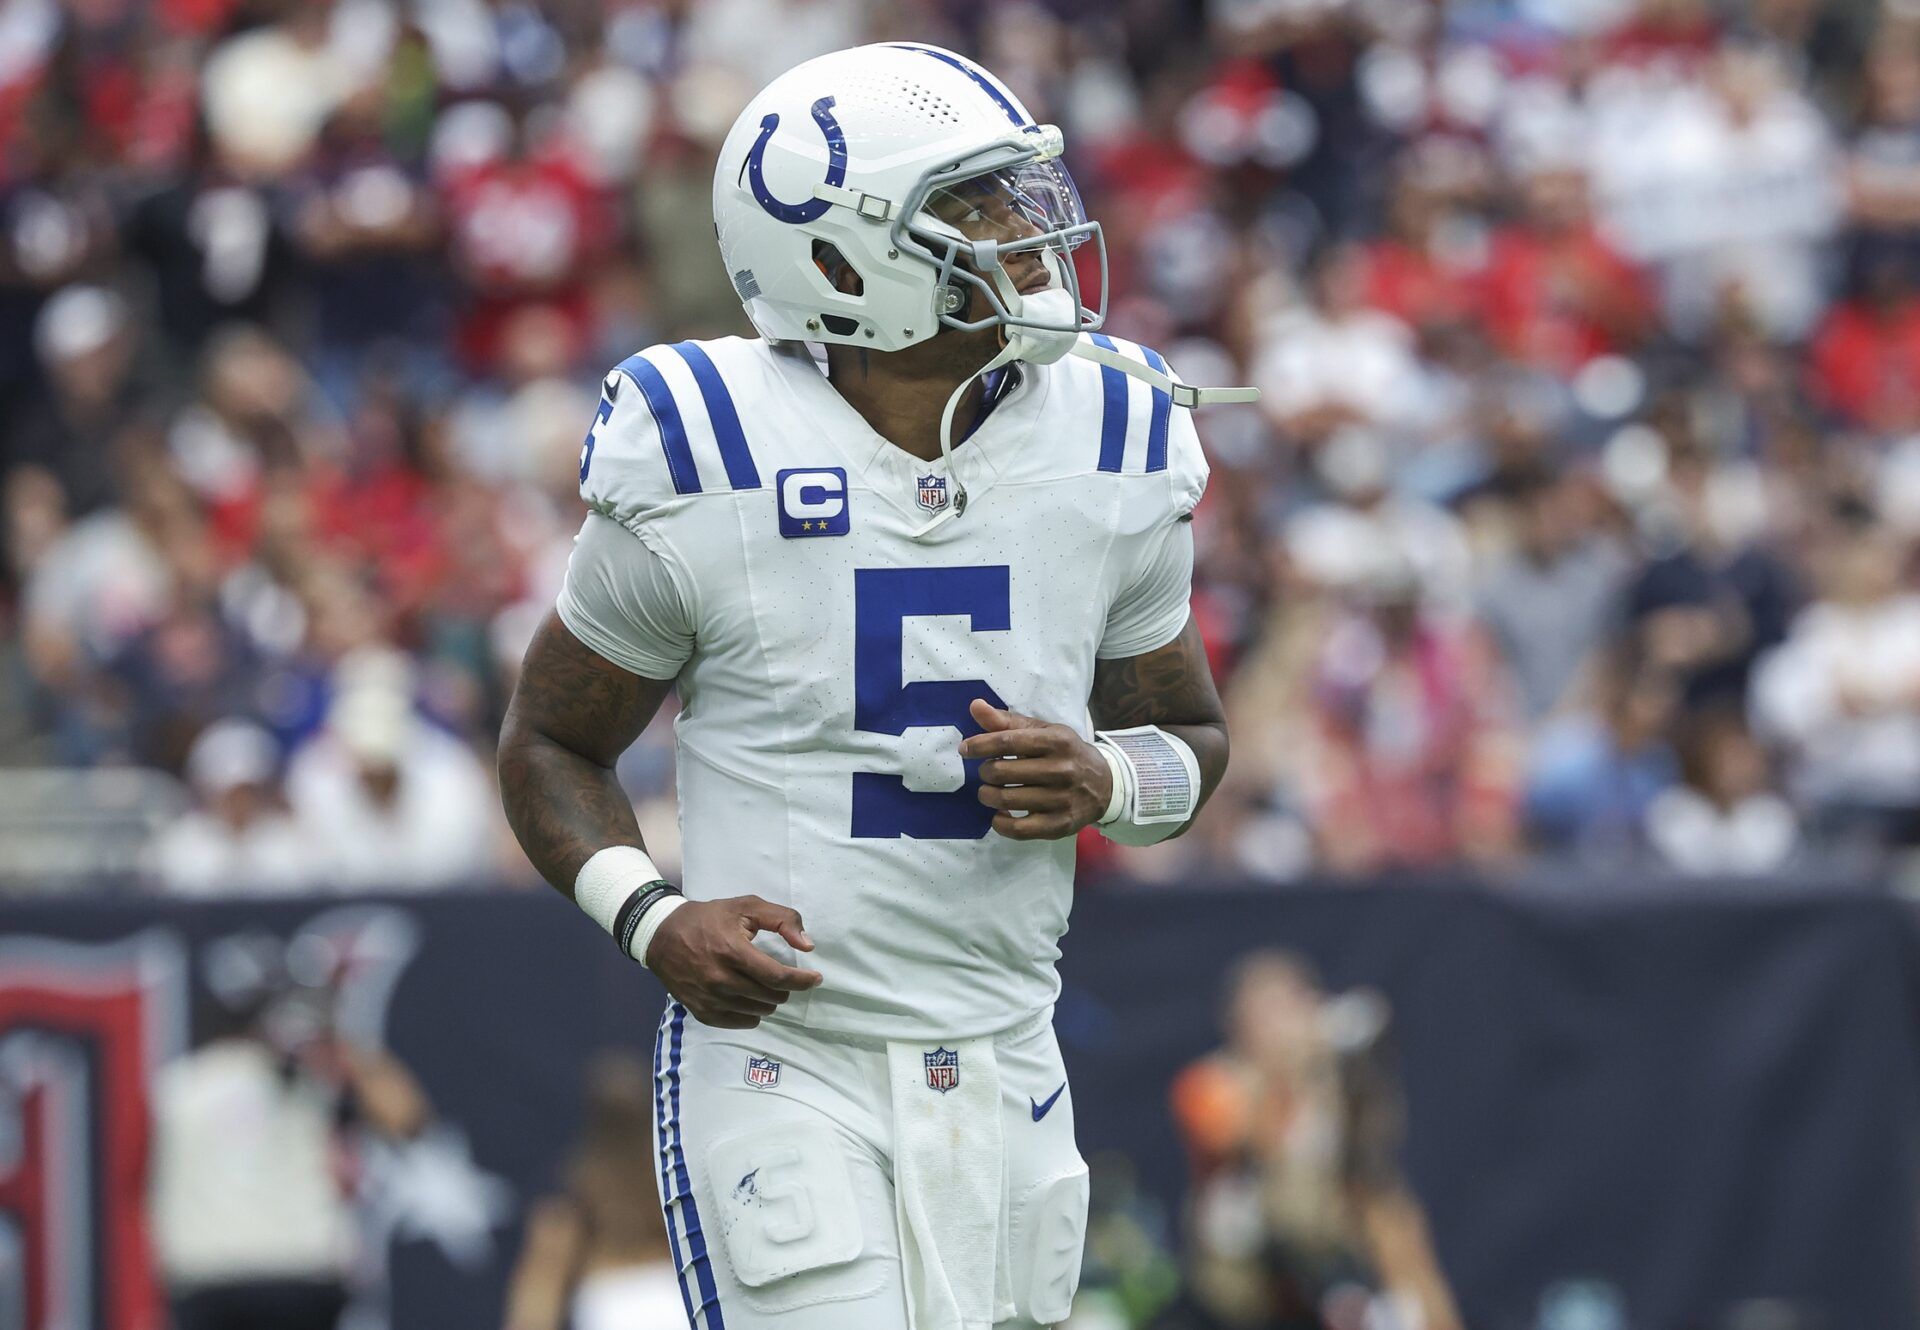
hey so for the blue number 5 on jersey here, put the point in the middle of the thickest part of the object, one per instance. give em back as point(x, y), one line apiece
point(883, 600)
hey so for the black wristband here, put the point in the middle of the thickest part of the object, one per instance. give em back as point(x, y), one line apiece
point(626, 920)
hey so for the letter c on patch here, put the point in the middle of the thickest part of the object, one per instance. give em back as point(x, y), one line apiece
point(813, 501)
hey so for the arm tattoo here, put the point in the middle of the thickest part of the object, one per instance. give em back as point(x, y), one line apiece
point(571, 717)
point(1172, 688)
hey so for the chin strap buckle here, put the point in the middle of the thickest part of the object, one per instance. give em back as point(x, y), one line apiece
point(1183, 394)
point(868, 206)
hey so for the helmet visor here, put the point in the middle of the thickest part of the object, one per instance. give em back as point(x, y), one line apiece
point(1007, 231)
point(1027, 203)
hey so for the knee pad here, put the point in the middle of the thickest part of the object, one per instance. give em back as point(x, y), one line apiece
point(1047, 1235)
point(789, 1217)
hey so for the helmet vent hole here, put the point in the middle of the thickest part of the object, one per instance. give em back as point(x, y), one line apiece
point(840, 325)
point(898, 96)
point(840, 274)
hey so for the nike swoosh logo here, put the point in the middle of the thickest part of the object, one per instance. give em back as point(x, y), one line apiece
point(1040, 1110)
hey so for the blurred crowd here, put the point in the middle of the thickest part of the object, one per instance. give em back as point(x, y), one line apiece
point(1579, 516)
point(1299, 1216)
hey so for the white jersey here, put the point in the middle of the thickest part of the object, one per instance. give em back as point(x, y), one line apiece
point(826, 647)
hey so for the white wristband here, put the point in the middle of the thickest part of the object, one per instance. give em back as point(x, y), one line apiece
point(613, 877)
point(1162, 779)
point(1122, 778)
point(650, 924)
point(606, 880)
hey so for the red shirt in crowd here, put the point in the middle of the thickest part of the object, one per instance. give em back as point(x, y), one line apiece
point(1418, 287)
point(524, 233)
point(1866, 364)
point(1558, 299)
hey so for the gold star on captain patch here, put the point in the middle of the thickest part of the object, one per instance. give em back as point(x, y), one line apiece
point(806, 526)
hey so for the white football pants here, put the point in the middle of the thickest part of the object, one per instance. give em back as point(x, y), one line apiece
point(776, 1149)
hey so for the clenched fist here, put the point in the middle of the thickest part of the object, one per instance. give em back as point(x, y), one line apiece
point(1042, 769)
point(705, 956)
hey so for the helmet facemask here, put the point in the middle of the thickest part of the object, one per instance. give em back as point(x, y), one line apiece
point(996, 221)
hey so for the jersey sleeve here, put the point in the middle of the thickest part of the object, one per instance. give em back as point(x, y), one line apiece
point(622, 599)
point(634, 464)
point(1151, 609)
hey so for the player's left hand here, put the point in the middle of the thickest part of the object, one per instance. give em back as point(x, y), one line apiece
point(1039, 768)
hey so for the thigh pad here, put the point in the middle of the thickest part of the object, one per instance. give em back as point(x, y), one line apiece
point(789, 1214)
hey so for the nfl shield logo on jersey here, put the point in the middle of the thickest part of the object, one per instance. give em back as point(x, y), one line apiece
point(943, 1069)
point(762, 1072)
point(933, 493)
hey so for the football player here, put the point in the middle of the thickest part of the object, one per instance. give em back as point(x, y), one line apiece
point(918, 563)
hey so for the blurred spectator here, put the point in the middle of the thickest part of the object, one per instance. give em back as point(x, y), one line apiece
point(85, 341)
point(239, 839)
point(1293, 1129)
point(1412, 762)
point(1558, 293)
point(1867, 354)
point(596, 1257)
point(1594, 773)
point(90, 592)
point(1426, 269)
point(1716, 169)
point(527, 224)
point(1710, 595)
point(267, 91)
point(1842, 693)
point(1724, 816)
point(250, 1219)
point(384, 798)
point(1371, 526)
point(209, 241)
point(1883, 168)
point(366, 223)
point(1550, 603)
point(1331, 361)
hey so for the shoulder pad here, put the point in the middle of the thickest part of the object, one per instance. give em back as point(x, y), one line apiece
point(1141, 432)
point(667, 430)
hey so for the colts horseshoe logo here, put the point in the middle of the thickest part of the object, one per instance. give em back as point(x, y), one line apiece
point(808, 209)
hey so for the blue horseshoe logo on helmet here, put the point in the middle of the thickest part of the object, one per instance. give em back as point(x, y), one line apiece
point(809, 209)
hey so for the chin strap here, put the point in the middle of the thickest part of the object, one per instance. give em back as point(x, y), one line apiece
point(1008, 354)
point(1183, 394)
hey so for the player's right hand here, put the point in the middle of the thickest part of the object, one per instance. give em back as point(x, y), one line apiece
point(705, 956)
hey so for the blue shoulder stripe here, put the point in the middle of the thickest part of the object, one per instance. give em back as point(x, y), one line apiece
point(741, 472)
point(1162, 414)
point(673, 430)
point(1113, 411)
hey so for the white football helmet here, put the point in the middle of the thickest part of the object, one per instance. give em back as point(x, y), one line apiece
point(919, 171)
point(899, 161)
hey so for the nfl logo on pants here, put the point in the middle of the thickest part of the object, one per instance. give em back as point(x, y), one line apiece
point(943, 1069)
point(762, 1071)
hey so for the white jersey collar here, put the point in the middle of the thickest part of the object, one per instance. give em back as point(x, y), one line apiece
point(890, 470)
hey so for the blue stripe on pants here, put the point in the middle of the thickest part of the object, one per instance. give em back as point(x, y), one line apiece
point(661, 1134)
point(683, 1191)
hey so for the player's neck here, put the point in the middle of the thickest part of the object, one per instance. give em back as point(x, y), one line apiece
point(903, 400)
